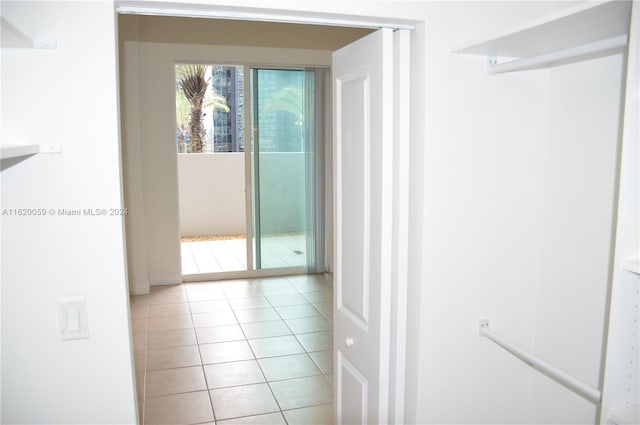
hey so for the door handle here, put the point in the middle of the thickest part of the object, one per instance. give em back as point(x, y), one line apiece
point(349, 341)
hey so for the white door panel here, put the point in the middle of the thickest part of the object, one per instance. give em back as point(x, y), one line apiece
point(363, 138)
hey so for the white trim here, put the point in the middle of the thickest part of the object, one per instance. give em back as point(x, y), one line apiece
point(401, 205)
point(190, 10)
point(248, 170)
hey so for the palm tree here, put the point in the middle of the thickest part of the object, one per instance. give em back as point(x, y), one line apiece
point(193, 83)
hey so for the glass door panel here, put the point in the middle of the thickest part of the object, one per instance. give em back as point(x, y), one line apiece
point(280, 166)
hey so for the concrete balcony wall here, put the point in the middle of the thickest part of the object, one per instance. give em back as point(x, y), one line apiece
point(212, 193)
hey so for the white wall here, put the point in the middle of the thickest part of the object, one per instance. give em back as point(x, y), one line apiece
point(66, 96)
point(493, 174)
point(487, 205)
point(621, 380)
point(136, 237)
point(484, 176)
point(584, 113)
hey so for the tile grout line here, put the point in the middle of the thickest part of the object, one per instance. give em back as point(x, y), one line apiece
point(256, 358)
point(235, 310)
point(206, 382)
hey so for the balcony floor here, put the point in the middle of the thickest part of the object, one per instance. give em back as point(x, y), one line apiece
point(229, 255)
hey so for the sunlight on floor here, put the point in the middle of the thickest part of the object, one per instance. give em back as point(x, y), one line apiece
point(229, 255)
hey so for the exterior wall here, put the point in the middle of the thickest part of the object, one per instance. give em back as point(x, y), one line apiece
point(211, 188)
point(212, 193)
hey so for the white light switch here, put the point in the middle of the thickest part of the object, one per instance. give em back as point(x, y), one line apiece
point(73, 318)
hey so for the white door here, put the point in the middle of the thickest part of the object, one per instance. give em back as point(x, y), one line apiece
point(364, 225)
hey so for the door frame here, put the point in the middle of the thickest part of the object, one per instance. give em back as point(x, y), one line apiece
point(405, 299)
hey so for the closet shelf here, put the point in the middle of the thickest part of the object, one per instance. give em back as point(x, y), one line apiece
point(632, 265)
point(16, 151)
point(627, 416)
point(13, 37)
point(589, 28)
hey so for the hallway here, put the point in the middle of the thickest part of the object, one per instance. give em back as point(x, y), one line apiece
point(254, 351)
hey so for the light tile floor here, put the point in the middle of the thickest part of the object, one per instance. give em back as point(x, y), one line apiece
point(255, 351)
point(231, 254)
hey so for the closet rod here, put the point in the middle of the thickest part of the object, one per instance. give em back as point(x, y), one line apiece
point(570, 53)
point(575, 385)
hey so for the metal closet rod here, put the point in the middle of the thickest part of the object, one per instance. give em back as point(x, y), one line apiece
point(575, 385)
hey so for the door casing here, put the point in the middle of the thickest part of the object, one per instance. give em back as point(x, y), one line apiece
point(405, 304)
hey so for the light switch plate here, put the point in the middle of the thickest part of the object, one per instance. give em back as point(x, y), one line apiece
point(72, 316)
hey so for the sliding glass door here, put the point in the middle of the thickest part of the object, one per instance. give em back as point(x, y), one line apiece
point(251, 145)
point(288, 120)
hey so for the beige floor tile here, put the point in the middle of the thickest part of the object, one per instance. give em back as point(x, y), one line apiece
point(219, 334)
point(316, 341)
point(266, 419)
point(218, 318)
point(139, 325)
point(309, 324)
point(330, 379)
point(324, 361)
point(319, 296)
point(140, 383)
point(326, 308)
point(187, 408)
point(249, 303)
point(288, 367)
point(279, 287)
point(168, 358)
point(175, 381)
point(209, 306)
point(257, 315)
point(265, 329)
point(242, 401)
point(238, 283)
point(277, 346)
point(165, 289)
point(302, 392)
point(167, 296)
point(201, 285)
point(138, 300)
point(311, 286)
point(139, 340)
point(205, 294)
point(140, 360)
point(242, 292)
point(140, 408)
point(225, 313)
point(225, 352)
point(139, 310)
point(297, 311)
point(166, 323)
point(171, 338)
point(315, 415)
point(231, 374)
point(286, 299)
point(172, 309)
